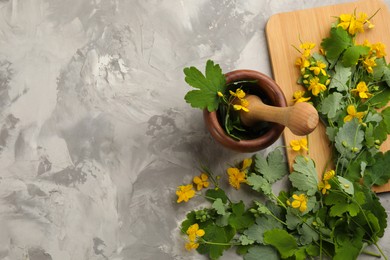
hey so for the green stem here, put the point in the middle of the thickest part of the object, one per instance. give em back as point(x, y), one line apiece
point(371, 253)
point(380, 250)
point(279, 201)
point(218, 244)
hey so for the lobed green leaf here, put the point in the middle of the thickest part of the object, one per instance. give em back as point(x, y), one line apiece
point(285, 243)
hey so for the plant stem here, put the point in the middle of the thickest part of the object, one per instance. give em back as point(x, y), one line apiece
point(371, 253)
point(219, 244)
point(380, 250)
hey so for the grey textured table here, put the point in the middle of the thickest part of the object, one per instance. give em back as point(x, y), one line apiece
point(94, 133)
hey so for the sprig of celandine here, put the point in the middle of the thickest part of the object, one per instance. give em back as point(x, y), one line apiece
point(336, 216)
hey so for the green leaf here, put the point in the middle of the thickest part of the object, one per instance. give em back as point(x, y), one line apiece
point(244, 240)
point(380, 132)
point(347, 250)
point(369, 135)
point(190, 220)
point(341, 205)
point(339, 209)
point(300, 254)
point(262, 252)
point(222, 235)
point(386, 118)
point(238, 208)
point(263, 224)
point(213, 194)
point(349, 139)
point(207, 87)
point(340, 78)
point(304, 177)
point(240, 219)
point(331, 133)
point(386, 74)
point(373, 205)
point(353, 53)
point(331, 104)
point(313, 250)
point(273, 168)
point(223, 220)
point(348, 240)
point(292, 219)
point(282, 241)
point(379, 69)
point(214, 75)
point(346, 185)
point(336, 43)
point(263, 209)
point(307, 232)
point(379, 173)
point(219, 206)
point(381, 98)
point(259, 184)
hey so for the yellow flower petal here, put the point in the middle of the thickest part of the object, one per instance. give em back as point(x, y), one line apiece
point(246, 163)
point(329, 175)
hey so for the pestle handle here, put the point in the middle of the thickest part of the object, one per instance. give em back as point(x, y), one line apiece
point(301, 118)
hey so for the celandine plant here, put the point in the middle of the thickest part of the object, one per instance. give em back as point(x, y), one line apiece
point(212, 93)
point(336, 216)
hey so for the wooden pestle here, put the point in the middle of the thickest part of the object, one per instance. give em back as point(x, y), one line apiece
point(301, 118)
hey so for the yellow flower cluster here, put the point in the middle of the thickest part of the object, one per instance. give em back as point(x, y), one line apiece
point(299, 145)
point(361, 90)
point(194, 233)
point(376, 51)
point(299, 202)
point(240, 94)
point(238, 176)
point(187, 192)
point(352, 113)
point(313, 72)
point(354, 24)
point(324, 185)
point(298, 96)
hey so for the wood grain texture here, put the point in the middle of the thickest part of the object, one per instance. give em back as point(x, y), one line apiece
point(286, 30)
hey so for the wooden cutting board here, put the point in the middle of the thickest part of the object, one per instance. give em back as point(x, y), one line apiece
point(287, 29)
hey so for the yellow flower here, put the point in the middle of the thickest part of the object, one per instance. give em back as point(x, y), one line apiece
point(299, 202)
point(298, 96)
point(194, 232)
point(352, 24)
point(362, 90)
point(368, 63)
point(219, 93)
point(240, 107)
point(324, 186)
point(243, 106)
point(246, 163)
point(236, 177)
point(379, 49)
point(244, 102)
point(319, 68)
point(329, 175)
point(185, 192)
point(299, 145)
point(201, 181)
point(239, 93)
point(352, 113)
point(316, 87)
point(307, 47)
point(191, 245)
point(302, 63)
